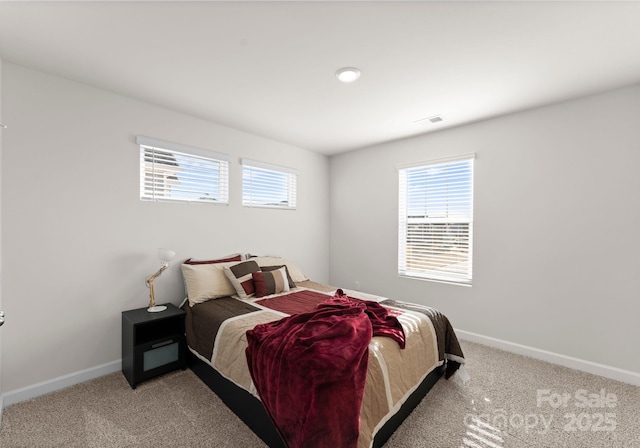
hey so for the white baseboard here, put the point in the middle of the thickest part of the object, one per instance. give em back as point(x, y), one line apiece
point(625, 376)
point(35, 390)
point(614, 373)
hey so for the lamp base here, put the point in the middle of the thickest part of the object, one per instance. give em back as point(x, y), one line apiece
point(156, 309)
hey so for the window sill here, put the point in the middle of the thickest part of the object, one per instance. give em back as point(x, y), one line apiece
point(436, 280)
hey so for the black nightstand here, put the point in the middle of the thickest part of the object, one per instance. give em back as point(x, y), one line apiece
point(152, 343)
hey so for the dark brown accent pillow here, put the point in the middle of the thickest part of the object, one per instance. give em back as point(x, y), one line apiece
point(273, 268)
point(220, 260)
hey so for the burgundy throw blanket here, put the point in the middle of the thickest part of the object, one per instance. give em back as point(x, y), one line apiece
point(383, 323)
point(310, 370)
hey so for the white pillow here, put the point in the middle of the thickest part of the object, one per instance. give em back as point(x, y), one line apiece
point(294, 271)
point(207, 281)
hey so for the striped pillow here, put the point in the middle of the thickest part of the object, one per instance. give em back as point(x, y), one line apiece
point(270, 282)
point(240, 277)
point(273, 268)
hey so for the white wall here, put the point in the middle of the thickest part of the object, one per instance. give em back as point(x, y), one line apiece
point(1, 139)
point(557, 211)
point(78, 240)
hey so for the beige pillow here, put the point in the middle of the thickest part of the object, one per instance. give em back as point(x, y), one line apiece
point(207, 281)
point(294, 271)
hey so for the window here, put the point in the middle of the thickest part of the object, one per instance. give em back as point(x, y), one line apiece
point(265, 185)
point(171, 172)
point(436, 220)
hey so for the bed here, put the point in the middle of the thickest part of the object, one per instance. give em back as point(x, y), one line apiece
point(236, 306)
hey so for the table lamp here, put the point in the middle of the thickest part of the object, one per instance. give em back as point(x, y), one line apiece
point(165, 256)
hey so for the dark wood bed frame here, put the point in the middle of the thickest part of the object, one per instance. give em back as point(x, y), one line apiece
point(252, 412)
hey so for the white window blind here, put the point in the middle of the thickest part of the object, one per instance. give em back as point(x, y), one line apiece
point(265, 185)
point(436, 220)
point(171, 172)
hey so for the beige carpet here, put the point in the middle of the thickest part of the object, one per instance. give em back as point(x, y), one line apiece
point(509, 403)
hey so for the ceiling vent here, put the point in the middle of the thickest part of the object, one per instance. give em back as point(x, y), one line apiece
point(435, 119)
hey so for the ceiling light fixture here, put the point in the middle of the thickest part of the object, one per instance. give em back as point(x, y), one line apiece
point(348, 74)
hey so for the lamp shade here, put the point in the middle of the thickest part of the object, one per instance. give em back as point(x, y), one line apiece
point(166, 255)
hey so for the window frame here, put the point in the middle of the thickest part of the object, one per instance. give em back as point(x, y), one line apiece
point(456, 272)
point(289, 176)
point(194, 155)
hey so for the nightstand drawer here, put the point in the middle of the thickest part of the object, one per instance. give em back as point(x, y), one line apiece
point(160, 354)
point(157, 357)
